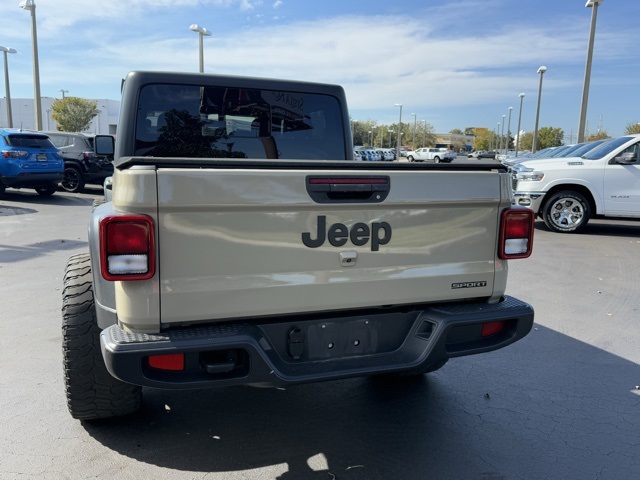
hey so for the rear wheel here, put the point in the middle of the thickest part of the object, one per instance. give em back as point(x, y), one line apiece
point(2, 188)
point(566, 212)
point(47, 190)
point(410, 158)
point(92, 392)
point(73, 180)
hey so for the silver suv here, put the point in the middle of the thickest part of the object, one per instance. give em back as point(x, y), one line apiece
point(81, 164)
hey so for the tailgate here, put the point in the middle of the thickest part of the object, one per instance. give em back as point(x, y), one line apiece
point(240, 243)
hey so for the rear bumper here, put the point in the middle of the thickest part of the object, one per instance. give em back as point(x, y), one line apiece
point(302, 350)
point(33, 179)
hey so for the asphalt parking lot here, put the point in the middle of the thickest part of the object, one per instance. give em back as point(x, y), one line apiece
point(564, 403)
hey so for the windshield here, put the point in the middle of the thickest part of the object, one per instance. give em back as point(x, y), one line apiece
point(220, 122)
point(606, 148)
point(586, 147)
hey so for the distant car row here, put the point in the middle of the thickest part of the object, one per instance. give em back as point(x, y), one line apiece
point(45, 160)
point(372, 154)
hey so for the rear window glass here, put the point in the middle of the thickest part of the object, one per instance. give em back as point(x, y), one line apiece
point(29, 141)
point(219, 122)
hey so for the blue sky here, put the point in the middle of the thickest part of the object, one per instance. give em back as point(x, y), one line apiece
point(454, 63)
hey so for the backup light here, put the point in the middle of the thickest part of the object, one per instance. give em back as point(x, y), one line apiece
point(516, 234)
point(127, 248)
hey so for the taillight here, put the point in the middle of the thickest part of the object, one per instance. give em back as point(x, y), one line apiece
point(516, 234)
point(127, 248)
point(14, 153)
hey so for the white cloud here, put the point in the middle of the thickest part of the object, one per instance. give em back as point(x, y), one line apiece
point(277, 3)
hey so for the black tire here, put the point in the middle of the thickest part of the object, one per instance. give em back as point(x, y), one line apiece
point(3, 188)
point(436, 159)
point(92, 393)
point(73, 180)
point(410, 158)
point(566, 212)
point(47, 190)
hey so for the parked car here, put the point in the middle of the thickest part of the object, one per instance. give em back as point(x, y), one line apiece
point(81, 164)
point(427, 154)
point(487, 155)
point(389, 154)
point(29, 160)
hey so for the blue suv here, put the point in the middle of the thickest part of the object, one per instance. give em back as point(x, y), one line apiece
point(29, 160)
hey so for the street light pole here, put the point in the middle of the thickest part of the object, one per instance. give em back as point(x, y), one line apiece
point(5, 51)
point(31, 6)
point(506, 140)
point(413, 141)
point(424, 133)
point(541, 71)
point(399, 129)
point(370, 138)
point(587, 71)
point(501, 134)
point(519, 120)
point(202, 32)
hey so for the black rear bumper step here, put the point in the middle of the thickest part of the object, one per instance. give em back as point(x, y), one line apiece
point(294, 351)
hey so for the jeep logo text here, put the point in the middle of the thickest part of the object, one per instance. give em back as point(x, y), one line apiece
point(360, 233)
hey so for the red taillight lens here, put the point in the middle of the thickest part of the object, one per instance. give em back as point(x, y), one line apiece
point(173, 362)
point(491, 328)
point(516, 234)
point(127, 247)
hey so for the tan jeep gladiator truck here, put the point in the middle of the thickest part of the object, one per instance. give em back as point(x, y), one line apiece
point(242, 244)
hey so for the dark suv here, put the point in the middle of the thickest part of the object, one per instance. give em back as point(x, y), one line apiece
point(81, 164)
point(29, 160)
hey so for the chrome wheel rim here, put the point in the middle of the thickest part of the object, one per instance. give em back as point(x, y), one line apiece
point(567, 213)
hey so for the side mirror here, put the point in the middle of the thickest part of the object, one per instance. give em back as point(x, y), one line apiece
point(104, 145)
point(626, 158)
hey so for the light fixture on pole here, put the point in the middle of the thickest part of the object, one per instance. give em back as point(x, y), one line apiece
point(63, 91)
point(202, 32)
point(506, 140)
point(501, 134)
point(519, 120)
point(594, 4)
point(541, 71)
point(5, 51)
point(31, 6)
point(399, 130)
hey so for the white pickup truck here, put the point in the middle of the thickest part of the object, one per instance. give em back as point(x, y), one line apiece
point(243, 245)
point(431, 154)
point(567, 192)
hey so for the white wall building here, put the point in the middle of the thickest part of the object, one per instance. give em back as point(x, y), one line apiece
point(23, 113)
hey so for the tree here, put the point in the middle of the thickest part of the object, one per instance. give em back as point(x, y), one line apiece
point(526, 141)
point(456, 131)
point(549, 137)
point(484, 140)
point(73, 114)
point(632, 128)
point(601, 135)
